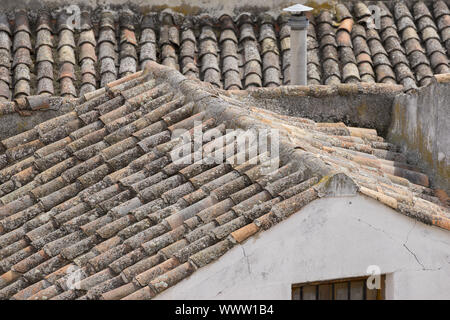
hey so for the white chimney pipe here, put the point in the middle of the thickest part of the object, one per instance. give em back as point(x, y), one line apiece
point(298, 23)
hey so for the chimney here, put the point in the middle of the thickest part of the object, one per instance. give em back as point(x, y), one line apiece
point(298, 23)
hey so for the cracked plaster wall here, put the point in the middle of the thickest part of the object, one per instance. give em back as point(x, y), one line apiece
point(328, 239)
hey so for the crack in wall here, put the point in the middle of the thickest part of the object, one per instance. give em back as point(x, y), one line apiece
point(413, 254)
point(247, 260)
point(404, 244)
point(409, 250)
point(415, 257)
point(375, 228)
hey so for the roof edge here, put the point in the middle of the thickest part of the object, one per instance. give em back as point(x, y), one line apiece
point(236, 114)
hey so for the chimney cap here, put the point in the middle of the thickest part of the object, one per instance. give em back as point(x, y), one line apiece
point(297, 9)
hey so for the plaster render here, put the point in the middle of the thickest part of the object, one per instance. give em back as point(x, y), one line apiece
point(328, 239)
point(299, 61)
point(421, 126)
point(13, 124)
point(346, 103)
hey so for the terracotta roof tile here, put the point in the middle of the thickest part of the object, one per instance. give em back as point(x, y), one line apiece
point(98, 187)
point(231, 52)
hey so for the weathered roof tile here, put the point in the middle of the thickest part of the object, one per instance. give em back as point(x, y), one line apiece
point(105, 192)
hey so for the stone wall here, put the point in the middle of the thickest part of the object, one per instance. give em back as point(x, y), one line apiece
point(421, 126)
point(359, 105)
point(181, 6)
point(214, 7)
point(13, 124)
point(25, 113)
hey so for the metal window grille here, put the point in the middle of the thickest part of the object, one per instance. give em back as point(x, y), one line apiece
point(340, 289)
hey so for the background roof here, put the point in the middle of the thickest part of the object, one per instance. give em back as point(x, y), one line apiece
point(43, 53)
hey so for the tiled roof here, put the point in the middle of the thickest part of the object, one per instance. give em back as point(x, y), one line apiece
point(46, 54)
point(97, 189)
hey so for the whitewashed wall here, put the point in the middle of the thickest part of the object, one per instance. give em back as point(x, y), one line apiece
point(328, 239)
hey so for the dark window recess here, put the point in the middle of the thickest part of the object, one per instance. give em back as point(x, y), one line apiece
point(341, 289)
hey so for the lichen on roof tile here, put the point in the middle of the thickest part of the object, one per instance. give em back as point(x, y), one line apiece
point(230, 51)
point(102, 189)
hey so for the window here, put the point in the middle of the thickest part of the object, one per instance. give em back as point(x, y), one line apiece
point(342, 289)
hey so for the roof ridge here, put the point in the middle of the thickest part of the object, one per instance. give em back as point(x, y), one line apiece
point(98, 203)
